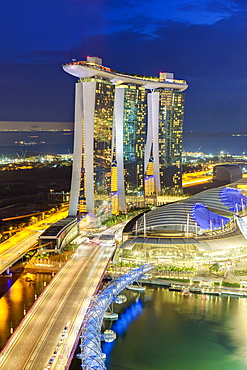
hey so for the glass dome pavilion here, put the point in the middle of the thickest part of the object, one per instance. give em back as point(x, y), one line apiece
point(208, 225)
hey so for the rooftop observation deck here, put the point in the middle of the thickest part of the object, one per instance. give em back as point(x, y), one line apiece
point(89, 69)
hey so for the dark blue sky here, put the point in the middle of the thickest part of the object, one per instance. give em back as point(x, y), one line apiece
point(204, 42)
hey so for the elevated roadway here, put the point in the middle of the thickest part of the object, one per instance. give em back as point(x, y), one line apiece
point(18, 245)
point(66, 299)
point(12, 253)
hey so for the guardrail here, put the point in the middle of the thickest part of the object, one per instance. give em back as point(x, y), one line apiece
point(91, 355)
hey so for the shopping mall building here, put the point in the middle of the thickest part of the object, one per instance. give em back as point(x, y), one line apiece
point(208, 226)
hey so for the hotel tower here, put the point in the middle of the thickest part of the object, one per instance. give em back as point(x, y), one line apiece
point(127, 137)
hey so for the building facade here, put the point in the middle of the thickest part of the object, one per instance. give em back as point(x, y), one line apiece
point(127, 137)
point(208, 226)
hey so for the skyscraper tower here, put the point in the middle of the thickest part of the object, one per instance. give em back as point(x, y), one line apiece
point(127, 137)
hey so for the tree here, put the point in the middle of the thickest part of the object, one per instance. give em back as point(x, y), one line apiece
point(214, 268)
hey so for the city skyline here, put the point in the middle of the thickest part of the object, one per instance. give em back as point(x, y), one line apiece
point(127, 139)
point(203, 42)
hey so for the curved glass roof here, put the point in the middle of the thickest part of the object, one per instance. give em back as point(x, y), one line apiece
point(207, 210)
point(206, 219)
point(233, 199)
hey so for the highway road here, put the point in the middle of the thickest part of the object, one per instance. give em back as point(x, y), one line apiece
point(14, 252)
point(17, 246)
point(65, 300)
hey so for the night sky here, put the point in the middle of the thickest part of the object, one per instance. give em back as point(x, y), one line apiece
point(204, 42)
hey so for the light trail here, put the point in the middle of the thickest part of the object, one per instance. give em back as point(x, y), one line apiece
point(19, 244)
point(65, 299)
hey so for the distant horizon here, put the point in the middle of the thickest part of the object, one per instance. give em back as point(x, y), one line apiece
point(63, 125)
point(214, 133)
point(36, 126)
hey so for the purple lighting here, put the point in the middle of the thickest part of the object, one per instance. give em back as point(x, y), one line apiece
point(206, 219)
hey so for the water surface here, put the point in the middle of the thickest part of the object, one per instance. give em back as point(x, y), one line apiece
point(168, 330)
point(21, 290)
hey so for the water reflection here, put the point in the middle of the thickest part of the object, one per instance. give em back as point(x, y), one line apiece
point(18, 299)
point(176, 331)
point(121, 325)
point(4, 314)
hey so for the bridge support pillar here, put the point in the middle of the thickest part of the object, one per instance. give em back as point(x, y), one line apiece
point(7, 273)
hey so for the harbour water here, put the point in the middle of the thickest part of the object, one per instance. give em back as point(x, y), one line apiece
point(27, 143)
point(161, 330)
point(215, 145)
point(61, 142)
point(156, 330)
point(18, 293)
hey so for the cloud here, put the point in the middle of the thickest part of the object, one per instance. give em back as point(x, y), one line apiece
point(210, 6)
point(212, 58)
point(132, 37)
